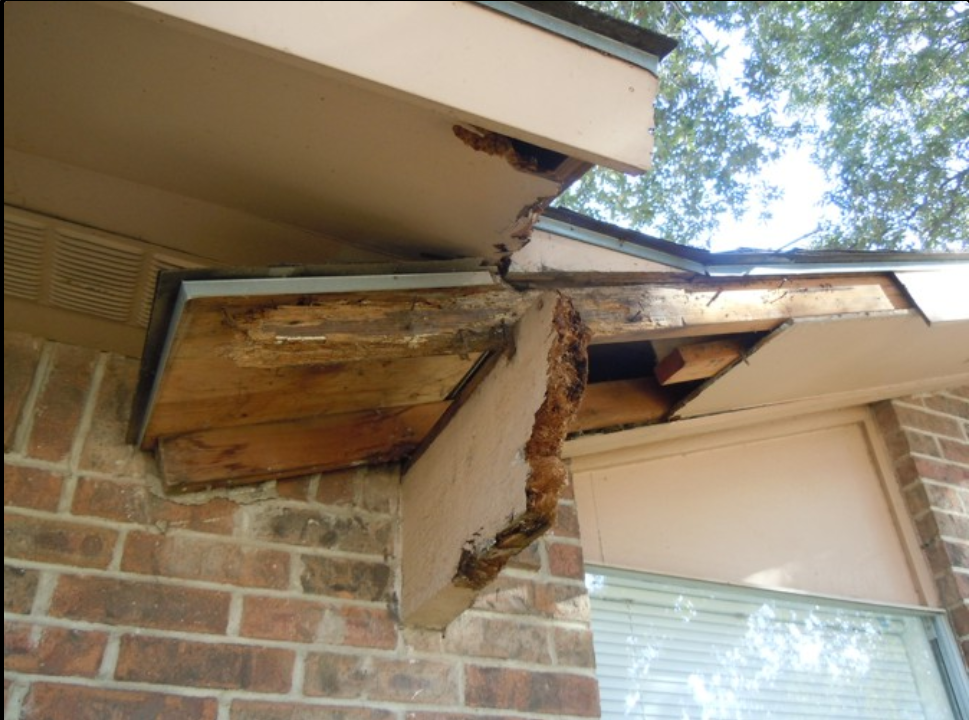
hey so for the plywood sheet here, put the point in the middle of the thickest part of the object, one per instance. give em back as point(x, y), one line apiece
point(290, 448)
point(814, 357)
point(214, 392)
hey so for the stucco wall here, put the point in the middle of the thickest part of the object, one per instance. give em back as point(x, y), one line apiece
point(928, 439)
point(272, 602)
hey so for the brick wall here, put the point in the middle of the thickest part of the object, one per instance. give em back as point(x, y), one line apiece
point(270, 602)
point(928, 439)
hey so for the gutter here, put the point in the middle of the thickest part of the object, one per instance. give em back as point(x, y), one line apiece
point(577, 227)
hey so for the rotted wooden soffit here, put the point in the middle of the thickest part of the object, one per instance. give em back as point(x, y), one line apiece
point(268, 374)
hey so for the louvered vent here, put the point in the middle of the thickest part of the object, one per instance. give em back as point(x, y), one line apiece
point(94, 275)
point(23, 256)
point(58, 264)
point(157, 264)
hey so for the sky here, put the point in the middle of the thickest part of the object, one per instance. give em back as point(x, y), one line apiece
point(794, 215)
point(802, 182)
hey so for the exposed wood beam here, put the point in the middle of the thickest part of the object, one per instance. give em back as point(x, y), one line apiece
point(622, 402)
point(211, 391)
point(697, 361)
point(488, 484)
point(718, 307)
point(226, 456)
point(334, 328)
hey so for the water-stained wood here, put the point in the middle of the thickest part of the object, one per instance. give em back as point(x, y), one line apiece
point(290, 448)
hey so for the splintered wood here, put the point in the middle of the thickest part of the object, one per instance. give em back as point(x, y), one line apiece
point(340, 379)
point(488, 485)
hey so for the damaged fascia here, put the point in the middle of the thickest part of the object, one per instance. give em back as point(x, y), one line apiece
point(165, 321)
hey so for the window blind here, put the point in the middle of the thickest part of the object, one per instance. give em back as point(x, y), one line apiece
point(688, 650)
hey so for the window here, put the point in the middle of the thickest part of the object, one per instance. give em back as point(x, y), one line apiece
point(670, 648)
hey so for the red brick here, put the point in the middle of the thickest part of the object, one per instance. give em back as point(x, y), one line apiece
point(960, 620)
point(566, 522)
point(345, 578)
point(105, 447)
point(133, 502)
point(922, 444)
point(935, 553)
point(57, 541)
point(314, 527)
point(573, 647)
point(507, 689)
point(379, 488)
point(6, 695)
point(140, 604)
point(61, 402)
point(916, 500)
point(927, 527)
point(423, 640)
point(281, 619)
point(243, 710)
point(929, 422)
point(565, 560)
point(508, 596)
point(949, 592)
point(948, 404)
point(481, 636)
point(955, 451)
point(31, 487)
point(377, 678)
point(48, 701)
point(528, 559)
point(942, 471)
point(944, 498)
point(19, 587)
point(337, 488)
point(20, 355)
point(203, 559)
point(411, 680)
point(886, 418)
point(193, 664)
point(958, 555)
point(294, 488)
point(562, 602)
point(953, 526)
point(52, 650)
point(358, 626)
point(334, 675)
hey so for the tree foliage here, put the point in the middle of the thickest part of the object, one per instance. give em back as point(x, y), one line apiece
point(878, 90)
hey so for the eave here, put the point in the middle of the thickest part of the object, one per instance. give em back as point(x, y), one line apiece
point(264, 134)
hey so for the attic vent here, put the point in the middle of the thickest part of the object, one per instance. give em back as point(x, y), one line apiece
point(70, 267)
point(155, 265)
point(95, 276)
point(23, 253)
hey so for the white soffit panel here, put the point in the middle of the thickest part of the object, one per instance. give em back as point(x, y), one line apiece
point(941, 295)
point(860, 358)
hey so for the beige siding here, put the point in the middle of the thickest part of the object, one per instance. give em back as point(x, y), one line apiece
point(799, 507)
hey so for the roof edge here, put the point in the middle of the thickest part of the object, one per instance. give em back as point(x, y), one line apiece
point(626, 41)
point(575, 226)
